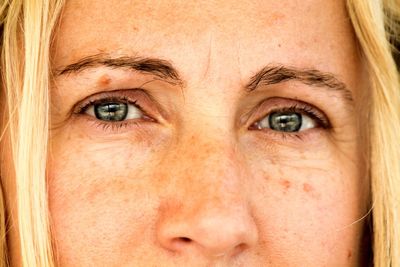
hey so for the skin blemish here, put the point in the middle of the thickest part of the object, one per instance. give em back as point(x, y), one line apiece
point(349, 254)
point(275, 18)
point(286, 184)
point(104, 80)
point(307, 188)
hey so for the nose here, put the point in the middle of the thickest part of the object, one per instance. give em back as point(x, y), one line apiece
point(207, 211)
point(214, 232)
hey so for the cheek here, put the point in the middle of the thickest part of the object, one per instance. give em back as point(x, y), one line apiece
point(99, 194)
point(307, 210)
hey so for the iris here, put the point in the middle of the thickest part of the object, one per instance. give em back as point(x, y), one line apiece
point(111, 111)
point(285, 121)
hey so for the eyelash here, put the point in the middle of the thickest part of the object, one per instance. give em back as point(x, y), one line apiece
point(306, 110)
point(115, 126)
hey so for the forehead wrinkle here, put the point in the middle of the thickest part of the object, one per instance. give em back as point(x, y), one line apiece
point(208, 60)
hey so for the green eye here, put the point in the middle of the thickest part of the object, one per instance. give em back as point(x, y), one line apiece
point(286, 122)
point(111, 111)
point(114, 111)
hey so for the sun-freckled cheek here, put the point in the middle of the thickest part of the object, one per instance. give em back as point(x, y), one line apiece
point(303, 202)
point(307, 189)
point(101, 191)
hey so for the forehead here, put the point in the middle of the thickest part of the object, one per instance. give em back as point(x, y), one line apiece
point(242, 34)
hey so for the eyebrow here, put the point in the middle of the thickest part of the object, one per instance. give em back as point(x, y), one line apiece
point(269, 75)
point(158, 67)
point(274, 74)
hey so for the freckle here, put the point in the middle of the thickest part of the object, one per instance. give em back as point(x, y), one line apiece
point(307, 188)
point(276, 17)
point(286, 184)
point(104, 80)
point(272, 161)
point(349, 254)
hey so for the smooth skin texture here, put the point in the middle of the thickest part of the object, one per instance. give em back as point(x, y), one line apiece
point(194, 181)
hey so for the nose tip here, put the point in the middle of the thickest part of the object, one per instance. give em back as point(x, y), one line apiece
point(206, 209)
point(223, 237)
point(215, 236)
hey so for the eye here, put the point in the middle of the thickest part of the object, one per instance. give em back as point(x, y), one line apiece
point(286, 121)
point(114, 111)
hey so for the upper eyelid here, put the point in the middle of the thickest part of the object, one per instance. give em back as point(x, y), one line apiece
point(82, 107)
point(116, 95)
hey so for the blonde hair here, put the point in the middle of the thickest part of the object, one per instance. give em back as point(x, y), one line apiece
point(25, 67)
point(375, 22)
point(27, 27)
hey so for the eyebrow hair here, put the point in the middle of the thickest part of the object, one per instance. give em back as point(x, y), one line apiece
point(269, 75)
point(274, 74)
point(158, 67)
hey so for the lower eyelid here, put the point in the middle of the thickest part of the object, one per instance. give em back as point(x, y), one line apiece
point(292, 139)
point(133, 126)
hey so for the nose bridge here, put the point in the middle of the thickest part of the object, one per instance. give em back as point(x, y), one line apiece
point(215, 170)
point(211, 163)
point(208, 207)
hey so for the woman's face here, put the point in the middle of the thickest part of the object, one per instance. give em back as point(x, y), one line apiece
point(217, 133)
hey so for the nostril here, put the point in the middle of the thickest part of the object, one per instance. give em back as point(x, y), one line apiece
point(239, 248)
point(185, 239)
point(179, 243)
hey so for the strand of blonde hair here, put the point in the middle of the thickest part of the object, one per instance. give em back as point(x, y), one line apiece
point(369, 18)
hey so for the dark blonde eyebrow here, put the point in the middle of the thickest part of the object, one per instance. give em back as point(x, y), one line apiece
point(269, 75)
point(274, 74)
point(158, 67)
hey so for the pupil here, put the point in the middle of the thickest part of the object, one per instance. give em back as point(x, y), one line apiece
point(111, 111)
point(285, 122)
